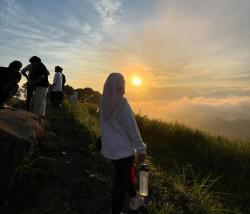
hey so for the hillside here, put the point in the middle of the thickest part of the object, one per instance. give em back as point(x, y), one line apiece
point(209, 167)
point(62, 175)
point(191, 172)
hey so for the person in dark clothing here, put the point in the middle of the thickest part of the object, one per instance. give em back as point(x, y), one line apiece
point(56, 95)
point(63, 83)
point(39, 81)
point(9, 78)
point(26, 71)
point(63, 80)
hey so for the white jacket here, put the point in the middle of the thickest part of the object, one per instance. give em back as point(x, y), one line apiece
point(120, 134)
point(57, 82)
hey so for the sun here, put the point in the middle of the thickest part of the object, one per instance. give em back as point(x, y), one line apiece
point(136, 81)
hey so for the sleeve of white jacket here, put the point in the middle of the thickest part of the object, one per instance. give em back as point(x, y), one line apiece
point(132, 129)
point(55, 78)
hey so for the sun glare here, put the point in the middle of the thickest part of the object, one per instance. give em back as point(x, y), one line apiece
point(136, 81)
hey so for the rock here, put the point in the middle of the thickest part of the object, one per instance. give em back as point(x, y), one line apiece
point(19, 126)
point(19, 130)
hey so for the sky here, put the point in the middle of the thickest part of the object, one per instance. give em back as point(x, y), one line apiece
point(192, 56)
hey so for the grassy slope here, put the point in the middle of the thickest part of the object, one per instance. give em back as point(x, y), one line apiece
point(64, 175)
point(193, 155)
point(185, 165)
point(192, 172)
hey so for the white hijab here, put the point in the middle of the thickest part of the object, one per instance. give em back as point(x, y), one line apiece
point(113, 91)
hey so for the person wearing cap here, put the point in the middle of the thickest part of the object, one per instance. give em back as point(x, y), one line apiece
point(63, 83)
point(56, 88)
point(9, 78)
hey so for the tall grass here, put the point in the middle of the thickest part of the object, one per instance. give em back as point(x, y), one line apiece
point(202, 173)
point(85, 116)
point(171, 143)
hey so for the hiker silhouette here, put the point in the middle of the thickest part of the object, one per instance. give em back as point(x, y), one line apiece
point(26, 71)
point(38, 82)
point(9, 78)
point(56, 95)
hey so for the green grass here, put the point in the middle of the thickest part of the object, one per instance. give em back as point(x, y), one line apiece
point(173, 145)
point(27, 178)
point(191, 171)
point(85, 117)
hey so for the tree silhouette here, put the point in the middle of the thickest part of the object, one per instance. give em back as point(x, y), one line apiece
point(88, 95)
point(68, 90)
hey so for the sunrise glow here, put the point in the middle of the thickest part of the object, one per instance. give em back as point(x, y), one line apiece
point(185, 61)
point(136, 81)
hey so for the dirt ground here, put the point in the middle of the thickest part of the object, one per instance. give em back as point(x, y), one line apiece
point(77, 181)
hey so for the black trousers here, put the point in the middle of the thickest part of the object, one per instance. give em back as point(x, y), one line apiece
point(56, 98)
point(30, 91)
point(123, 183)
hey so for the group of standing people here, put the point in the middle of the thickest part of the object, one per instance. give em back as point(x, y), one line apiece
point(120, 136)
point(37, 85)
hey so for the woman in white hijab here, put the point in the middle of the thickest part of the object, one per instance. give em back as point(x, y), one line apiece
point(121, 140)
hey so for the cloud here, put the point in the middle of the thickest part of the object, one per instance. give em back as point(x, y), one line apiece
point(193, 43)
point(15, 22)
point(108, 10)
point(228, 116)
point(168, 94)
point(71, 43)
point(217, 110)
point(179, 43)
point(193, 57)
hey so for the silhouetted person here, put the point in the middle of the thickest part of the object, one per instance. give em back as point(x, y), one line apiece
point(63, 84)
point(39, 81)
point(56, 95)
point(120, 139)
point(63, 79)
point(26, 71)
point(9, 78)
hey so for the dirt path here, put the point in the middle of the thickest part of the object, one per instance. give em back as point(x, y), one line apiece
point(78, 181)
point(75, 178)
